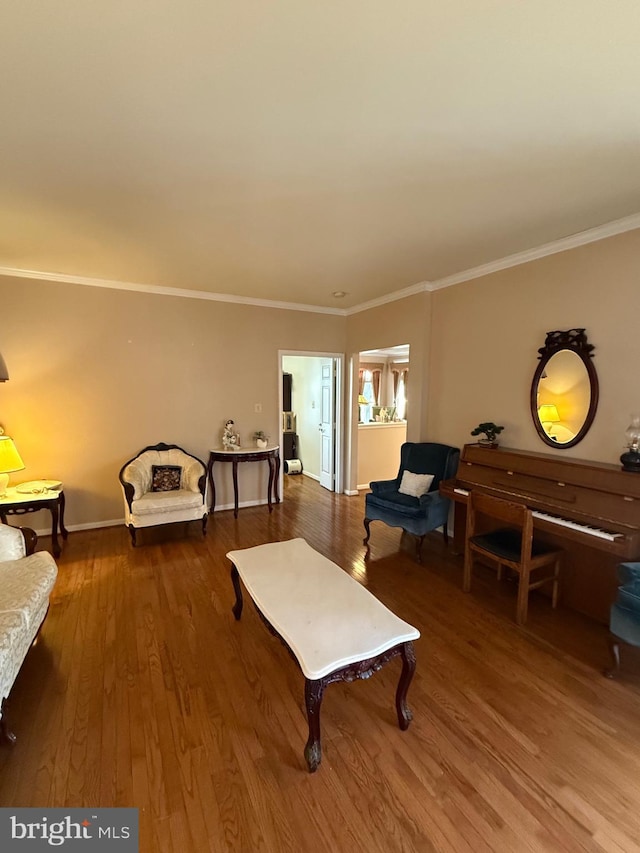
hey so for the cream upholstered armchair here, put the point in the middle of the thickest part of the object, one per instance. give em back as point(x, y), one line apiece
point(161, 485)
point(26, 581)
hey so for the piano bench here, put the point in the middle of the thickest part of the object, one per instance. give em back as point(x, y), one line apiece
point(513, 547)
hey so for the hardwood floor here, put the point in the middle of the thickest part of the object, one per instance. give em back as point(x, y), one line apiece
point(144, 691)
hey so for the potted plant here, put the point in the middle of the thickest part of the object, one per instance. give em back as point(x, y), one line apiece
point(490, 431)
point(261, 439)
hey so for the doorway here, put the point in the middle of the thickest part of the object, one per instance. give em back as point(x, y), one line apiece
point(316, 382)
point(382, 413)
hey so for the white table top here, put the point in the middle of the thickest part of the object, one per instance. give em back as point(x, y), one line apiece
point(13, 496)
point(326, 617)
point(239, 451)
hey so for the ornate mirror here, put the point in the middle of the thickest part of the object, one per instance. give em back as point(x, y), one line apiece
point(564, 391)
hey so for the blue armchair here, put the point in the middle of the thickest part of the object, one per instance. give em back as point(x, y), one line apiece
point(624, 622)
point(401, 503)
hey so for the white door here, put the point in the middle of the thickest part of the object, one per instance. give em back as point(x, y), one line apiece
point(327, 425)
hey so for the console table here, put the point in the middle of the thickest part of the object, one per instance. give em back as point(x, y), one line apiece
point(20, 503)
point(335, 628)
point(254, 454)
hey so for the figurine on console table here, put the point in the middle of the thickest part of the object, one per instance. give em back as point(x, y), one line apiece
point(230, 438)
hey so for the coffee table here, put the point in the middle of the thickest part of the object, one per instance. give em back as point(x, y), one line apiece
point(334, 628)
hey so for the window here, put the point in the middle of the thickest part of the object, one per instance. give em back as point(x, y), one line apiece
point(401, 397)
point(367, 393)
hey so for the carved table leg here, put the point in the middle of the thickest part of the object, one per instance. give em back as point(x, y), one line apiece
point(235, 579)
point(276, 481)
point(63, 529)
point(234, 471)
point(57, 550)
point(408, 668)
point(212, 486)
point(313, 691)
point(272, 467)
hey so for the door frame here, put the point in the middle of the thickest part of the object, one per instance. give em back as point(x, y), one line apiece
point(339, 362)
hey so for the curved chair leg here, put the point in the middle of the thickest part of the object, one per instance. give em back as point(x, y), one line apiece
point(132, 531)
point(204, 524)
point(419, 541)
point(367, 527)
point(614, 650)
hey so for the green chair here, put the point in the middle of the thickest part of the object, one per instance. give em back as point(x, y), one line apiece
point(624, 622)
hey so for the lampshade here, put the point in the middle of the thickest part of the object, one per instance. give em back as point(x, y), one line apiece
point(9, 461)
point(4, 373)
point(548, 414)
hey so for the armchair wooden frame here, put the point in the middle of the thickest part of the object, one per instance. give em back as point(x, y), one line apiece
point(532, 555)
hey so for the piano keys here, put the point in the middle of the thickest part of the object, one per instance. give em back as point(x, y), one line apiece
point(589, 509)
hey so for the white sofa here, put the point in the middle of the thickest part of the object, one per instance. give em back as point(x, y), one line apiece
point(25, 585)
point(146, 507)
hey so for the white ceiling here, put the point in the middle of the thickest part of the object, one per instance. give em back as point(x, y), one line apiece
point(288, 149)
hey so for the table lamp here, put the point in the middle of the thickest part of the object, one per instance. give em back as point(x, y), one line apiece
point(548, 414)
point(631, 458)
point(9, 461)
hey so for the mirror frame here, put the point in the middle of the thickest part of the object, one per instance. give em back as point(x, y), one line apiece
point(574, 340)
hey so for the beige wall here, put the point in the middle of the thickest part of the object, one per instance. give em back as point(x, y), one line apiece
point(379, 452)
point(97, 374)
point(486, 333)
point(406, 321)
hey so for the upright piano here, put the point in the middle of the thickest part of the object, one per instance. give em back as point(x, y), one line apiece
point(589, 509)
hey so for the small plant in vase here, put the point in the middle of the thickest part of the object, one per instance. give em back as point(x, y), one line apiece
point(261, 439)
point(490, 432)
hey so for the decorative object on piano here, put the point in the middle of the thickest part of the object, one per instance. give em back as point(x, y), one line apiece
point(230, 438)
point(261, 439)
point(631, 457)
point(490, 432)
point(566, 380)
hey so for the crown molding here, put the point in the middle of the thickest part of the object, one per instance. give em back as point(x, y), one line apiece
point(421, 287)
point(582, 238)
point(63, 278)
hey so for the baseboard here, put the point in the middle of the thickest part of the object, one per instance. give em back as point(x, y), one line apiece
point(72, 528)
point(311, 476)
point(362, 487)
point(351, 492)
point(115, 522)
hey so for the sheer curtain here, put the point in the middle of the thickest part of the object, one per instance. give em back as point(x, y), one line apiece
point(400, 376)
